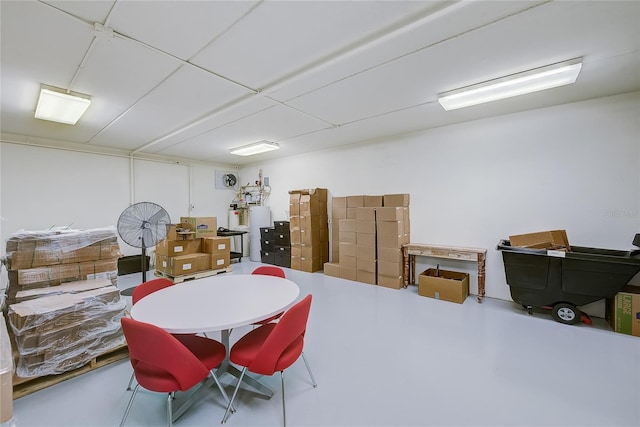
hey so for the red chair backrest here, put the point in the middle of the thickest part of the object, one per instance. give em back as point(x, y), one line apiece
point(287, 335)
point(158, 357)
point(149, 287)
point(269, 270)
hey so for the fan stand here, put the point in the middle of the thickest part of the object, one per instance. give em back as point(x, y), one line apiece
point(144, 267)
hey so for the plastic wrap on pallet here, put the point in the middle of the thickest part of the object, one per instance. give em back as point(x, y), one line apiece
point(28, 249)
point(53, 363)
point(65, 288)
point(57, 333)
point(62, 273)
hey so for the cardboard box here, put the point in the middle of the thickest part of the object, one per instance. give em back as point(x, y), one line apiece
point(320, 194)
point(348, 261)
point(392, 214)
point(338, 213)
point(366, 227)
point(365, 239)
point(390, 228)
point(50, 255)
point(311, 206)
point(204, 226)
point(363, 264)
point(178, 247)
point(393, 282)
point(553, 239)
point(183, 264)
point(366, 277)
point(623, 311)
point(355, 201)
point(220, 260)
point(396, 200)
point(339, 202)
point(348, 237)
point(348, 273)
point(332, 269)
point(392, 241)
point(348, 249)
point(347, 225)
point(62, 273)
point(352, 213)
point(445, 285)
point(366, 252)
point(294, 208)
point(310, 264)
point(366, 214)
point(389, 268)
point(180, 231)
point(372, 201)
point(216, 245)
point(390, 255)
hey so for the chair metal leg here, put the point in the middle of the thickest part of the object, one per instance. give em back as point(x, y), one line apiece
point(313, 381)
point(131, 381)
point(170, 398)
point(226, 413)
point(126, 411)
point(284, 410)
point(223, 391)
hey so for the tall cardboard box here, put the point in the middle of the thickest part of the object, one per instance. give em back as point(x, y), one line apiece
point(445, 285)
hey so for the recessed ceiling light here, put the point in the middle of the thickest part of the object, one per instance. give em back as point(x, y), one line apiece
point(547, 77)
point(59, 105)
point(255, 148)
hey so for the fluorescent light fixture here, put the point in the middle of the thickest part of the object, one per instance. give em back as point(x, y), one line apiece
point(255, 148)
point(59, 105)
point(550, 76)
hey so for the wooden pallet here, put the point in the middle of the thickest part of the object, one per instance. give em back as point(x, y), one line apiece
point(25, 386)
point(198, 275)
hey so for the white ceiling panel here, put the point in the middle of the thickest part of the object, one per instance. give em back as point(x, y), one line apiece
point(192, 79)
point(273, 124)
point(280, 37)
point(193, 93)
point(180, 28)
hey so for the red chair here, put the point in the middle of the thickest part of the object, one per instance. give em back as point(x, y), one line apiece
point(149, 287)
point(273, 347)
point(163, 364)
point(269, 270)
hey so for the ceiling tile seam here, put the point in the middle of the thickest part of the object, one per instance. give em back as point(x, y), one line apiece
point(227, 29)
point(233, 103)
point(298, 110)
point(132, 106)
point(445, 8)
point(215, 128)
point(415, 51)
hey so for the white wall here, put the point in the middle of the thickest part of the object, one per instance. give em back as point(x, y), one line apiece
point(45, 187)
point(572, 167)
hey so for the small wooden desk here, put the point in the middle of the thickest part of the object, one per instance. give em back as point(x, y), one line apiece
point(410, 250)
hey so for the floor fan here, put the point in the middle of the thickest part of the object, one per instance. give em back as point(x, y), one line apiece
point(143, 225)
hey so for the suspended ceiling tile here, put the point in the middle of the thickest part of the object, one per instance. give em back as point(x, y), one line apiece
point(241, 108)
point(180, 28)
point(484, 54)
point(273, 124)
point(279, 38)
point(187, 94)
point(91, 11)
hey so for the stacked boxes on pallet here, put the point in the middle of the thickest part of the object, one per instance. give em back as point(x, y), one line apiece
point(370, 233)
point(191, 247)
point(63, 308)
point(309, 230)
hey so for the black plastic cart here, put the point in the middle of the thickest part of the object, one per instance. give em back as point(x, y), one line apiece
point(563, 280)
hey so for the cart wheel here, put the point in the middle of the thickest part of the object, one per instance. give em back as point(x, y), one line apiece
point(565, 313)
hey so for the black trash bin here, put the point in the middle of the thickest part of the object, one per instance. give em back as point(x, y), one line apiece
point(563, 280)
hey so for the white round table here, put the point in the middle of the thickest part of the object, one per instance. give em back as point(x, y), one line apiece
point(217, 303)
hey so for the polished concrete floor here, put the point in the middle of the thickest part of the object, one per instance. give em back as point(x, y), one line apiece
point(385, 357)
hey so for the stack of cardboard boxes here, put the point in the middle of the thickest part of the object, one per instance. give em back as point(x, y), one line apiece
point(370, 233)
point(192, 246)
point(63, 308)
point(309, 230)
